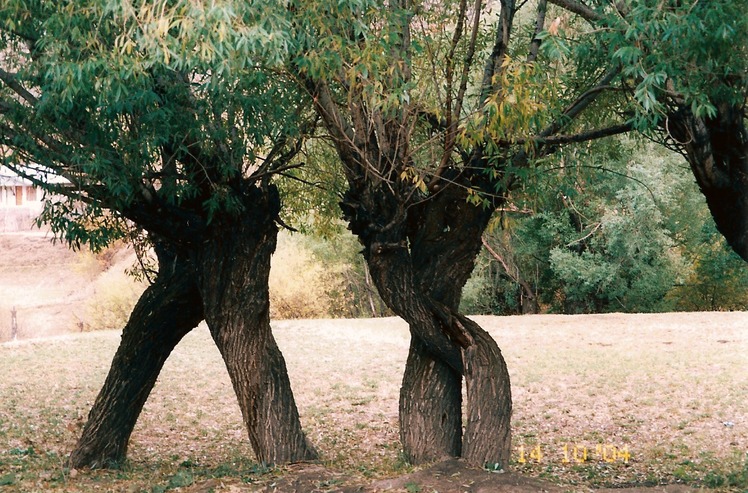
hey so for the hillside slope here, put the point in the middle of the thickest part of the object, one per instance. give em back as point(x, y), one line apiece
point(51, 286)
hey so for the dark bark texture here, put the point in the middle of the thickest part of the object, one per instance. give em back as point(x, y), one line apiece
point(234, 269)
point(445, 235)
point(224, 280)
point(717, 151)
point(423, 285)
point(430, 407)
point(166, 311)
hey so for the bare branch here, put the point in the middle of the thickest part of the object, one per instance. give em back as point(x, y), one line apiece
point(501, 44)
point(539, 26)
point(581, 103)
point(276, 171)
point(554, 140)
point(592, 232)
point(590, 95)
point(453, 116)
point(340, 129)
point(11, 82)
point(449, 60)
point(578, 8)
point(515, 276)
point(468, 59)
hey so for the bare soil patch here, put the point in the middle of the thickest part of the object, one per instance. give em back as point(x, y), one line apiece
point(451, 476)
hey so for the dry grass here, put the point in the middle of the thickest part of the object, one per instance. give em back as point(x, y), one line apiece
point(299, 285)
point(662, 385)
point(56, 290)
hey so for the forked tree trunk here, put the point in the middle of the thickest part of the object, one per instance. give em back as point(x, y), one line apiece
point(165, 312)
point(471, 352)
point(422, 285)
point(445, 236)
point(234, 270)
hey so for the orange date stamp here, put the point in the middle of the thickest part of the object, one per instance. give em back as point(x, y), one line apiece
point(573, 453)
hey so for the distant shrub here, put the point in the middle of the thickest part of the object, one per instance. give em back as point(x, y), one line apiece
point(314, 277)
point(299, 284)
point(114, 297)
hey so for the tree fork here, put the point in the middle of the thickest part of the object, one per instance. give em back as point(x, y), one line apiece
point(167, 310)
point(429, 382)
point(446, 236)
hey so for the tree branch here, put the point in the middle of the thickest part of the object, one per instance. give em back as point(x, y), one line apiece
point(575, 138)
point(516, 277)
point(539, 26)
point(583, 101)
point(578, 8)
point(501, 44)
point(11, 82)
point(453, 116)
point(340, 130)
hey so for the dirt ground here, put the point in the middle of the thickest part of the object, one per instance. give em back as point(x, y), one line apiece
point(450, 476)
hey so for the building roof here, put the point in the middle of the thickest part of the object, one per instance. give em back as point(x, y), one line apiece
point(9, 178)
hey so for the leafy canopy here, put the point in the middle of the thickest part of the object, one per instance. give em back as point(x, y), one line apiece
point(158, 112)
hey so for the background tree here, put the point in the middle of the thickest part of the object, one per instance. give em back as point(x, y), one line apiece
point(592, 234)
point(164, 117)
point(685, 66)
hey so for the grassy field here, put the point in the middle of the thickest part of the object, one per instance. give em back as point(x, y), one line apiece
point(649, 398)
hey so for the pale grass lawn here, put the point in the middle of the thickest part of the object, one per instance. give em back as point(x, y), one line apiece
point(672, 389)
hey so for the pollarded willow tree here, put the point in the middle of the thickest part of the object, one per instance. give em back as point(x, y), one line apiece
point(166, 118)
point(436, 109)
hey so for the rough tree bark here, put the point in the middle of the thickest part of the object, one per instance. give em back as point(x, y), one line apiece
point(233, 279)
point(422, 284)
point(225, 281)
point(166, 311)
point(717, 151)
point(445, 234)
point(430, 407)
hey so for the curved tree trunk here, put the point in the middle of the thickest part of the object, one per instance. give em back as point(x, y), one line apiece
point(446, 237)
point(488, 438)
point(166, 311)
point(422, 284)
point(430, 407)
point(472, 353)
point(234, 270)
point(717, 151)
point(226, 282)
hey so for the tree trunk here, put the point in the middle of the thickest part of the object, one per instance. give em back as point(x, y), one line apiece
point(446, 237)
point(234, 270)
point(430, 407)
point(488, 438)
point(423, 285)
point(717, 151)
point(166, 311)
